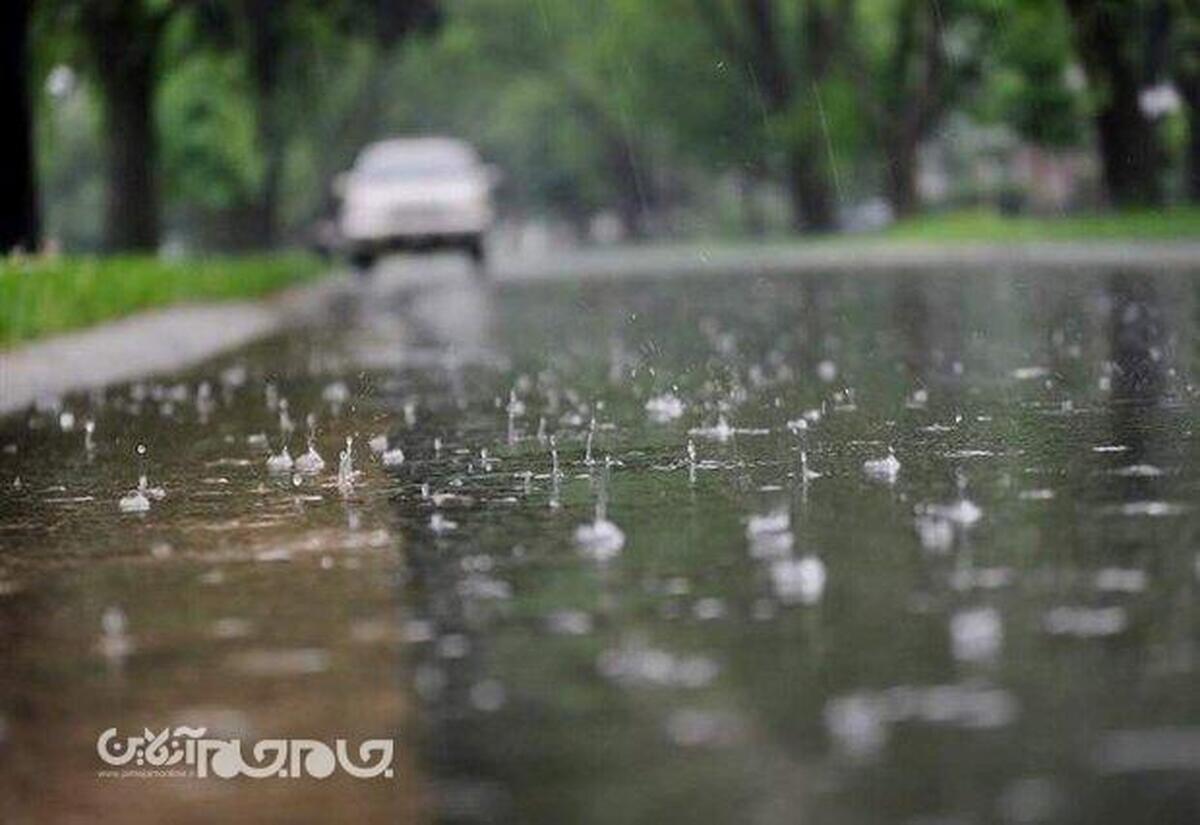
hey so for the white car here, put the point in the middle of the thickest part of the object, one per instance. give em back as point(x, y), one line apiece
point(415, 194)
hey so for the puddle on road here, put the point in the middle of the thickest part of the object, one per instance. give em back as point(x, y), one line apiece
point(895, 549)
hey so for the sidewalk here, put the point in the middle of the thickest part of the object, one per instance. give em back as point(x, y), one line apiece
point(171, 339)
point(851, 256)
point(152, 342)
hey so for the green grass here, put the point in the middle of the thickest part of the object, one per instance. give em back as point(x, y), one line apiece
point(44, 296)
point(990, 226)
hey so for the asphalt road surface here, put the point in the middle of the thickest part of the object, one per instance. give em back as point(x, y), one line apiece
point(769, 543)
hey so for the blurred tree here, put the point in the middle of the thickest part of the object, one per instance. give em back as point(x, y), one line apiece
point(278, 38)
point(1185, 68)
point(686, 86)
point(928, 58)
point(789, 51)
point(549, 89)
point(1111, 40)
point(1029, 79)
point(18, 198)
point(211, 165)
point(658, 113)
point(120, 42)
point(123, 40)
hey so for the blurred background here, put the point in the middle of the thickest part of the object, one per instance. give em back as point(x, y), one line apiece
point(707, 627)
point(220, 124)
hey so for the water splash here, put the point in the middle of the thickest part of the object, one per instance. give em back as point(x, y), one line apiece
point(601, 539)
point(976, 635)
point(138, 500)
point(440, 525)
point(636, 664)
point(798, 581)
point(935, 533)
point(665, 408)
point(311, 462)
point(963, 512)
point(115, 644)
point(392, 457)
point(135, 501)
point(336, 395)
point(345, 477)
point(286, 425)
point(515, 409)
point(805, 473)
point(770, 535)
point(587, 457)
point(1086, 622)
point(883, 469)
point(721, 431)
point(280, 462)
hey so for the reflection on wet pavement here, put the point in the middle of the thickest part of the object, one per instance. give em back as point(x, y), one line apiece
point(911, 548)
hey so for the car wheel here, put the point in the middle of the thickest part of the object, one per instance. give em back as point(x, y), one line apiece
point(362, 262)
point(478, 255)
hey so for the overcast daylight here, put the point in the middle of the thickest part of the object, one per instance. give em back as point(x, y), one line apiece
point(539, 412)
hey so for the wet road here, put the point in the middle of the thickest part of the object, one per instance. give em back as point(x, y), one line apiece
point(891, 547)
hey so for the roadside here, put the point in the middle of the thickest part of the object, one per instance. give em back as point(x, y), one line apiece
point(49, 296)
point(988, 225)
point(45, 296)
point(156, 341)
point(849, 256)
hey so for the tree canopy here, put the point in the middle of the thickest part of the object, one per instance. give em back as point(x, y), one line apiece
point(222, 122)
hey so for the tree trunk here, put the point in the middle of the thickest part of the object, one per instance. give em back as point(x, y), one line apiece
point(633, 194)
point(1184, 29)
point(1129, 154)
point(18, 194)
point(123, 39)
point(914, 98)
point(902, 177)
point(1193, 169)
point(1188, 79)
point(1129, 150)
point(812, 198)
point(132, 148)
point(266, 47)
point(753, 222)
point(266, 206)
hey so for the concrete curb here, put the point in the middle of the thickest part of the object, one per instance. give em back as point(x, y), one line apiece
point(171, 339)
point(842, 256)
point(152, 342)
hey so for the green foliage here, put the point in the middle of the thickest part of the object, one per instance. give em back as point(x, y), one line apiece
point(988, 225)
point(586, 105)
point(206, 121)
point(1030, 80)
point(43, 296)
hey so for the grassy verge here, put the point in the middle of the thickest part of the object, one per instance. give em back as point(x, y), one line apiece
point(43, 296)
point(989, 226)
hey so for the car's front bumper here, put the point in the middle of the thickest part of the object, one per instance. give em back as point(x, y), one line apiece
point(414, 224)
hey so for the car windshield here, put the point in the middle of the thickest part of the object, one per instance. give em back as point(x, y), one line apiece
point(415, 165)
